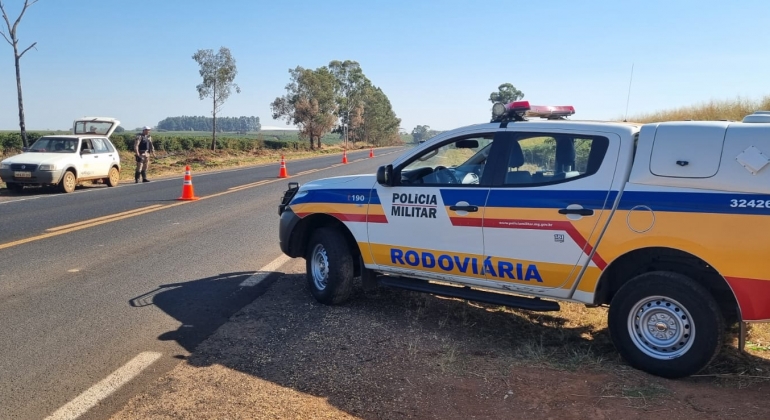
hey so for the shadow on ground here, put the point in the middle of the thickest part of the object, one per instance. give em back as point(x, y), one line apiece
point(397, 354)
point(201, 306)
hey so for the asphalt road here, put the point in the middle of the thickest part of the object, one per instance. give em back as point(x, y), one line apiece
point(93, 279)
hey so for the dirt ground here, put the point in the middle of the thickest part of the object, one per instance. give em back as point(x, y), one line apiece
point(400, 355)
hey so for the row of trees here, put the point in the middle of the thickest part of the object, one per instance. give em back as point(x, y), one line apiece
point(337, 98)
point(195, 123)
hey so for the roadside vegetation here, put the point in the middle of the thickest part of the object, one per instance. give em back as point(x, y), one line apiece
point(714, 110)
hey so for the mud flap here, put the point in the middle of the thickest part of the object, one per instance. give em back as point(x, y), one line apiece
point(368, 277)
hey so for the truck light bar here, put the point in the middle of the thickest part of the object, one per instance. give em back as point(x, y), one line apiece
point(517, 110)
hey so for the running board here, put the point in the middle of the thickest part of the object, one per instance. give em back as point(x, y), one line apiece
point(531, 304)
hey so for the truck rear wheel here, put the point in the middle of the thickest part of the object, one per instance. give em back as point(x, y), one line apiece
point(666, 324)
point(330, 267)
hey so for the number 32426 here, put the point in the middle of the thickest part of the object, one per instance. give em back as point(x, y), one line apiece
point(759, 204)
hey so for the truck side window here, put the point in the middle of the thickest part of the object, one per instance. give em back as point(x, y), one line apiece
point(458, 163)
point(542, 159)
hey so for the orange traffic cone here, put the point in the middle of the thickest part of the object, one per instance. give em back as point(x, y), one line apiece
point(345, 156)
point(371, 152)
point(282, 172)
point(187, 187)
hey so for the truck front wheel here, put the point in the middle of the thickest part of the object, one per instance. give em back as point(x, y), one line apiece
point(330, 268)
point(666, 324)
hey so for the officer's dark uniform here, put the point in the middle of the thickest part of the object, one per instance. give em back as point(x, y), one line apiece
point(142, 148)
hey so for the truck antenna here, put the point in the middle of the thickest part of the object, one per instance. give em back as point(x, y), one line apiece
point(625, 119)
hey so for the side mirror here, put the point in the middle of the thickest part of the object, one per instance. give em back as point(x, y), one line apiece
point(24, 149)
point(385, 175)
point(85, 152)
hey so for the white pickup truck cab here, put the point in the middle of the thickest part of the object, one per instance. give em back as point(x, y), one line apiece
point(67, 160)
point(662, 222)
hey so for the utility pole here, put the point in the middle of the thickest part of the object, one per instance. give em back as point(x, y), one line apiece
point(345, 127)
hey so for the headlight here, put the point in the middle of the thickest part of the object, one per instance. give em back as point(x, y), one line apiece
point(47, 167)
point(4, 165)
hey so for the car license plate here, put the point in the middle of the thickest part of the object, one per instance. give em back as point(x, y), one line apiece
point(18, 174)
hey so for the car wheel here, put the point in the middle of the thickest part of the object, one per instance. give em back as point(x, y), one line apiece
point(68, 182)
point(114, 177)
point(666, 324)
point(14, 186)
point(330, 268)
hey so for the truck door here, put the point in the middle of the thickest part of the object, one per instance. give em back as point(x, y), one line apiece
point(544, 210)
point(432, 221)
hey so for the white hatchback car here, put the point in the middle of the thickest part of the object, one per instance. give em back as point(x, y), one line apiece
point(67, 160)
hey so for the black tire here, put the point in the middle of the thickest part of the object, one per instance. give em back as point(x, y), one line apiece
point(15, 186)
point(68, 182)
point(685, 326)
point(330, 268)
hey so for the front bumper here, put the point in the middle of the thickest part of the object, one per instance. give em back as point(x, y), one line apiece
point(38, 177)
point(289, 221)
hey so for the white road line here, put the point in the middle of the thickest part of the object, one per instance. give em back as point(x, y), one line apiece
point(265, 271)
point(91, 397)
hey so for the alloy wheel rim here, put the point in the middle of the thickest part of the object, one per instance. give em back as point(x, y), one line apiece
point(69, 181)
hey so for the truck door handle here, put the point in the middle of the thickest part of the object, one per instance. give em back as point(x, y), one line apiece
point(464, 208)
point(580, 212)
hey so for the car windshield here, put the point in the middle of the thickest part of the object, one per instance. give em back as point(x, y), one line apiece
point(54, 145)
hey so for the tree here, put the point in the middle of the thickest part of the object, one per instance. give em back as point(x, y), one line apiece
point(13, 40)
point(423, 132)
point(380, 125)
point(420, 133)
point(218, 72)
point(506, 93)
point(349, 91)
point(310, 103)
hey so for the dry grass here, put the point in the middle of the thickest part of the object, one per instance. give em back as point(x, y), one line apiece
point(574, 339)
point(714, 110)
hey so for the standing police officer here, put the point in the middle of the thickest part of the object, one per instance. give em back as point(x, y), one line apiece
point(142, 149)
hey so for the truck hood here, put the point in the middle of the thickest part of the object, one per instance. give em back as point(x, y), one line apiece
point(348, 181)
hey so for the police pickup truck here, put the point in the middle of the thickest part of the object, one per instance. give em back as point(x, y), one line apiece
point(666, 223)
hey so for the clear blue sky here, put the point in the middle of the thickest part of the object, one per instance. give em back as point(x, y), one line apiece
point(437, 61)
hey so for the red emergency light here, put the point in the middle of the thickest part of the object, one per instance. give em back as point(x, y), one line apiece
point(518, 109)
